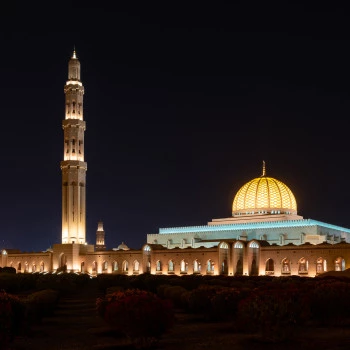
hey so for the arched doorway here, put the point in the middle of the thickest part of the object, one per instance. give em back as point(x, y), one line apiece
point(62, 263)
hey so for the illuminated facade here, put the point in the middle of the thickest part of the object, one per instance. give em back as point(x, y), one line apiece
point(73, 165)
point(264, 236)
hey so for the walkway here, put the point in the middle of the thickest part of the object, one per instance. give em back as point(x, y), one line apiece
point(75, 325)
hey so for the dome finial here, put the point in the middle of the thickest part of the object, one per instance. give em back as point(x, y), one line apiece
point(263, 170)
point(74, 53)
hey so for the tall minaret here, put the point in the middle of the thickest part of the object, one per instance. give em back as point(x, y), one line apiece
point(100, 237)
point(73, 166)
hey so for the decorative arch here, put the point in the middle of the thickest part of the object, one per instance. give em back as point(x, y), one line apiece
point(136, 266)
point(171, 266)
point(285, 266)
point(62, 260)
point(339, 264)
point(104, 266)
point(270, 267)
point(125, 267)
point(321, 265)
point(223, 257)
point(94, 267)
point(238, 245)
point(303, 266)
point(183, 266)
point(115, 266)
point(197, 266)
point(210, 267)
point(254, 244)
point(159, 266)
point(223, 245)
point(253, 258)
point(238, 258)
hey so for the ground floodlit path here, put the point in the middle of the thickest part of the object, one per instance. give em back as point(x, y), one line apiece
point(75, 325)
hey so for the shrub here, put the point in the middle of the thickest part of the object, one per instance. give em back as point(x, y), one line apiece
point(330, 302)
point(275, 312)
point(140, 315)
point(41, 304)
point(7, 269)
point(12, 318)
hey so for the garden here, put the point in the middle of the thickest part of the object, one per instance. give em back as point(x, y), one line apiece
point(165, 312)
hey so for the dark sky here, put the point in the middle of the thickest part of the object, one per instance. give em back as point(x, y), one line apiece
point(182, 105)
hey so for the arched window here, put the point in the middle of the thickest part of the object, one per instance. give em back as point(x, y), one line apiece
point(136, 266)
point(82, 266)
point(125, 266)
point(210, 266)
point(224, 245)
point(196, 266)
point(158, 266)
point(115, 266)
point(339, 264)
point(94, 267)
point(238, 245)
point(270, 267)
point(303, 266)
point(34, 268)
point(104, 266)
point(253, 245)
point(26, 267)
point(42, 267)
point(285, 266)
point(19, 267)
point(319, 265)
point(183, 266)
point(171, 266)
point(63, 260)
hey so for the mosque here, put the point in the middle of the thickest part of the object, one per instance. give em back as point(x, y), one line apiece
point(264, 236)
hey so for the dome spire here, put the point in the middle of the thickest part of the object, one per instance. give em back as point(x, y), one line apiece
point(74, 53)
point(263, 169)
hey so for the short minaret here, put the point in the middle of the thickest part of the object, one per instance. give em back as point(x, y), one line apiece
point(73, 165)
point(100, 237)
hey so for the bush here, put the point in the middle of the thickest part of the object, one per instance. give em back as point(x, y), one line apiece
point(330, 303)
point(141, 316)
point(275, 312)
point(7, 269)
point(41, 304)
point(12, 318)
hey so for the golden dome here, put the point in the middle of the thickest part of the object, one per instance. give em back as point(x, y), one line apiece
point(264, 195)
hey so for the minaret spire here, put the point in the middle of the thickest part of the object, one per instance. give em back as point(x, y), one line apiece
point(73, 165)
point(100, 237)
point(263, 169)
point(74, 53)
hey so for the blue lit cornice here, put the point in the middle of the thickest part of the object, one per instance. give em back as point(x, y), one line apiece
point(249, 225)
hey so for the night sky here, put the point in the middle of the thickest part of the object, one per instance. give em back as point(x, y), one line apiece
point(182, 105)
